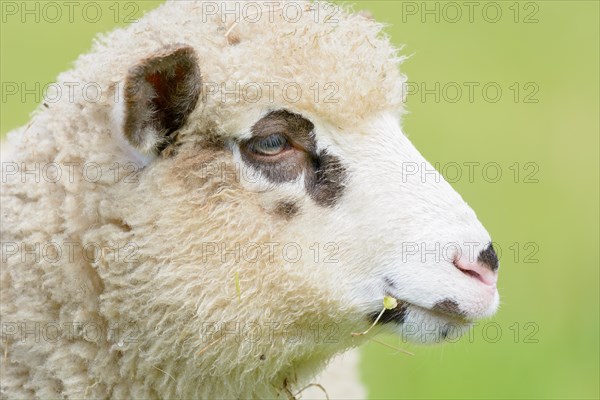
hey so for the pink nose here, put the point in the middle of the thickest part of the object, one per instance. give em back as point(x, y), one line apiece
point(478, 269)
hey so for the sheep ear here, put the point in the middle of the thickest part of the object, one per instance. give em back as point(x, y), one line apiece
point(160, 93)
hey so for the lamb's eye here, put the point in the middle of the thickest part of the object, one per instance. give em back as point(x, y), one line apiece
point(270, 145)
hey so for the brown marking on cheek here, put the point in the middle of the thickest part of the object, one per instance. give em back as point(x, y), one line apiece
point(287, 209)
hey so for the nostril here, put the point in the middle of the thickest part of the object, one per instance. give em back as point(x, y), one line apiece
point(475, 270)
point(470, 273)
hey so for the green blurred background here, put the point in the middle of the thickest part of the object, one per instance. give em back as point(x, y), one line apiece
point(541, 133)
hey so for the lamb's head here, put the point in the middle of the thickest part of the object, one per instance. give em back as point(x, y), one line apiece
point(279, 188)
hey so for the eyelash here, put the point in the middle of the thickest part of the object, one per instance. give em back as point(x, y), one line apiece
point(269, 146)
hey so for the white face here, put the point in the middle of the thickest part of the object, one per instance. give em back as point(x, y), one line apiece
point(397, 227)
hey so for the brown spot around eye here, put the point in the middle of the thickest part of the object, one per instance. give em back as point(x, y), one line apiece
point(325, 175)
point(326, 185)
point(297, 129)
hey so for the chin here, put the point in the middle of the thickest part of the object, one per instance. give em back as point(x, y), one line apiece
point(421, 325)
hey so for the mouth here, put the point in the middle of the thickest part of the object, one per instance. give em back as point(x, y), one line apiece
point(479, 302)
point(395, 315)
point(446, 309)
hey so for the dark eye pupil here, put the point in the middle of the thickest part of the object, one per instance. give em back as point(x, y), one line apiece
point(270, 145)
point(272, 141)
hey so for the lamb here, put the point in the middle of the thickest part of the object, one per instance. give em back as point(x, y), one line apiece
point(230, 206)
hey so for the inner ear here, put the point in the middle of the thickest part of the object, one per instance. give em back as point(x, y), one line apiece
point(160, 94)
